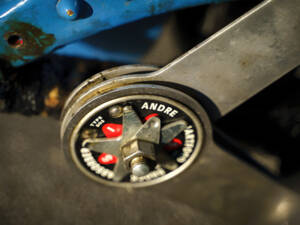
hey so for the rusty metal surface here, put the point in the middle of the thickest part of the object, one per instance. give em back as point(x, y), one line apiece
point(45, 25)
point(34, 41)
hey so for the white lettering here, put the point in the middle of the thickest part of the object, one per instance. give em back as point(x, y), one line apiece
point(154, 174)
point(99, 170)
point(94, 165)
point(110, 175)
point(153, 106)
point(161, 172)
point(161, 108)
point(173, 113)
point(87, 159)
point(168, 110)
point(145, 106)
point(97, 122)
point(110, 129)
point(86, 154)
point(84, 150)
point(104, 173)
point(189, 143)
point(91, 163)
point(189, 130)
point(107, 158)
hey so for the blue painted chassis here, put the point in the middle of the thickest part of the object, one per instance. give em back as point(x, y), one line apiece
point(47, 29)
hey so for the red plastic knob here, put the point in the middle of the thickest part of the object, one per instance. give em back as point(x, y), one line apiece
point(106, 159)
point(173, 145)
point(150, 116)
point(112, 130)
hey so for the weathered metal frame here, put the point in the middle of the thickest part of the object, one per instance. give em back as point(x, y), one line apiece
point(43, 26)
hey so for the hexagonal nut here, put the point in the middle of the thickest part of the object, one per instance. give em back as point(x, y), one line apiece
point(137, 148)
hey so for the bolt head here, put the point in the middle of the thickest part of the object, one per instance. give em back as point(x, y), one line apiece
point(127, 108)
point(89, 133)
point(115, 111)
point(140, 169)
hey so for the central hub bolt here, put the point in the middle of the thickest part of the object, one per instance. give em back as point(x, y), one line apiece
point(139, 167)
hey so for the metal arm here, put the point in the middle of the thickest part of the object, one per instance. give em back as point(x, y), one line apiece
point(244, 57)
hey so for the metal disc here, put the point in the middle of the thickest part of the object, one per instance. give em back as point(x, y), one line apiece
point(169, 105)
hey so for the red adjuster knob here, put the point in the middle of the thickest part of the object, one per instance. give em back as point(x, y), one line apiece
point(173, 145)
point(111, 130)
point(150, 116)
point(106, 159)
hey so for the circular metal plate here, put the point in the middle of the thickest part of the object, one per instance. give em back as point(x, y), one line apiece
point(100, 166)
point(166, 103)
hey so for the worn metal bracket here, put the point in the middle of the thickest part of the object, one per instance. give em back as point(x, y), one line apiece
point(32, 28)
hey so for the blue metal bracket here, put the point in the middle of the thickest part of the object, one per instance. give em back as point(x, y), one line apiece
point(32, 28)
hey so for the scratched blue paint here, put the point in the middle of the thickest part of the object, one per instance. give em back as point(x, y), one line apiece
point(94, 16)
point(137, 39)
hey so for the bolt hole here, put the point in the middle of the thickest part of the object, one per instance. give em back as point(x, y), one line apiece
point(15, 40)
